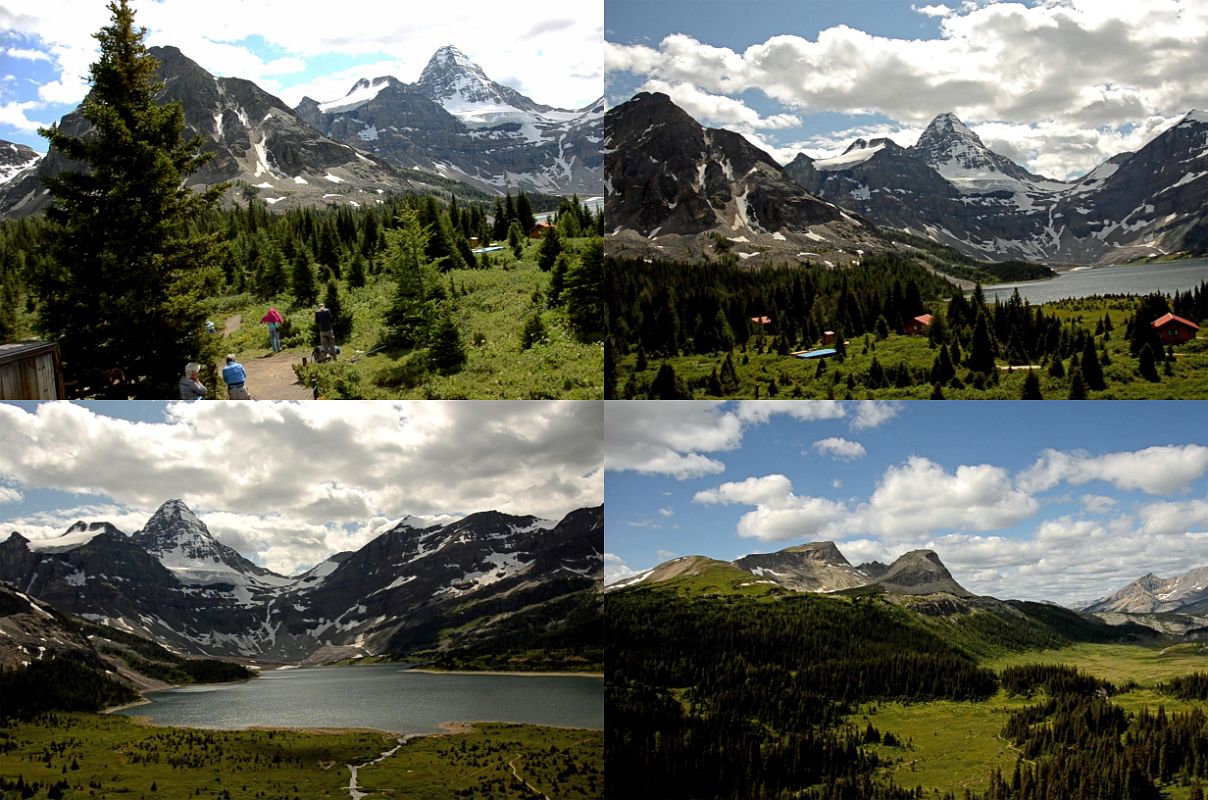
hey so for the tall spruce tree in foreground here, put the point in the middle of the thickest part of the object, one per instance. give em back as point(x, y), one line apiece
point(129, 275)
point(408, 319)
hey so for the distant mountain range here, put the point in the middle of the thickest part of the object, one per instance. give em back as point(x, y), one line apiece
point(459, 123)
point(948, 187)
point(820, 567)
point(484, 579)
point(1185, 594)
point(455, 124)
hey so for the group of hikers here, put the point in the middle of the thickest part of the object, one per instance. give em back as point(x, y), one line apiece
point(233, 373)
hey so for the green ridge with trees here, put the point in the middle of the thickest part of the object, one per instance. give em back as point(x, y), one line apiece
point(714, 693)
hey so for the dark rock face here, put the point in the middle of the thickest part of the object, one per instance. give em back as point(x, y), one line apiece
point(31, 630)
point(665, 174)
point(458, 122)
point(952, 188)
point(253, 138)
point(814, 567)
point(919, 572)
point(173, 581)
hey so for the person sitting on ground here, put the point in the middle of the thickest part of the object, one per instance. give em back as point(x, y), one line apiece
point(191, 387)
point(235, 377)
point(327, 336)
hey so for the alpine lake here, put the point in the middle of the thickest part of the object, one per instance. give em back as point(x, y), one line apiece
point(382, 696)
point(1131, 279)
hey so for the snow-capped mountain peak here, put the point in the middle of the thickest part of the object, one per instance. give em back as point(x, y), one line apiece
point(463, 89)
point(16, 158)
point(182, 543)
point(361, 93)
point(960, 156)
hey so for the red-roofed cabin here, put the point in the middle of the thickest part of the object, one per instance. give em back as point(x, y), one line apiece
point(540, 229)
point(762, 320)
point(1175, 330)
point(918, 325)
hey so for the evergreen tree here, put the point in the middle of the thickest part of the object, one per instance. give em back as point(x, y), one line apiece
point(937, 392)
point(499, 222)
point(728, 376)
point(407, 319)
point(447, 354)
point(584, 292)
point(1146, 365)
point(524, 213)
point(1092, 372)
point(534, 331)
point(356, 271)
point(1057, 368)
point(610, 370)
point(942, 368)
point(302, 280)
point(1150, 308)
point(129, 270)
point(271, 280)
point(1031, 387)
point(516, 240)
point(557, 279)
point(1077, 384)
point(876, 375)
point(551, 247)
point(666, 386)
point(981, 351)
point(341, 323)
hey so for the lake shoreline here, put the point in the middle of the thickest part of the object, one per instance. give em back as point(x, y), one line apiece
point(504, 673)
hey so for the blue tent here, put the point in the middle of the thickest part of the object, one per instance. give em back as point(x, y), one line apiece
point(823, 353)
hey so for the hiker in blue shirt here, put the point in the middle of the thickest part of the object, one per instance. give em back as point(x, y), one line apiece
point(235, 377)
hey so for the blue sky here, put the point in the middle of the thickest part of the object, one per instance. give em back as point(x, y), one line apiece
point(289, 484)
point(1057, 85)
point(294, 48)
point(1063, 501)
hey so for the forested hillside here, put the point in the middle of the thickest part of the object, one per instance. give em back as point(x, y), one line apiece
point(730, 695)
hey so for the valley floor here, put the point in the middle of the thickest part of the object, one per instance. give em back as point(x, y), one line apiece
point(953, 746)
point(110, 756)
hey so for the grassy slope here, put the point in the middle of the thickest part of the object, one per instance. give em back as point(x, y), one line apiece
point(491, 316)
point(126, 757)
point(955, 745)
point(796, 377)
point(562, 763)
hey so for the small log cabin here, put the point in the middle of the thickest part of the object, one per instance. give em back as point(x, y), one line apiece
point(31, 371)
point(919, 324)
point(1175, 330)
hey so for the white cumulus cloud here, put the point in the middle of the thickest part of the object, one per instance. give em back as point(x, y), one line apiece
point(840, 448)
point(1154, 470)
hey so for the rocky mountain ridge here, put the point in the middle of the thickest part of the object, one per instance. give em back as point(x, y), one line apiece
point(820, 567)
point(1182, 594)
point(676, 189)
point(174, 582)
